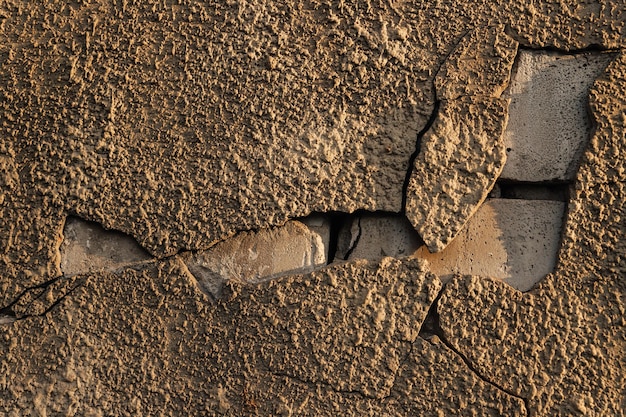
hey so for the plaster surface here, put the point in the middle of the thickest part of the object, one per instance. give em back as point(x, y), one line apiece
point(187, 125)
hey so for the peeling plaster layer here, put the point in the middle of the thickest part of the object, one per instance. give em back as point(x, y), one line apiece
point(183, 124)
point(562, 345)
point(460, 160)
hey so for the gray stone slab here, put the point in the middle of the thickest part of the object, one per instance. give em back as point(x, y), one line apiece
point(253, 257)
point(513, 240)
point(381, 236)
point(549, 125)
point(87, 247)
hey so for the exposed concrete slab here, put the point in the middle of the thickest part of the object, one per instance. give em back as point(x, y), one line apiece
point(461, 157)
point(381, 236)
point(87, 247)
point(549, 125)
point(513, 240)
point(253, 257)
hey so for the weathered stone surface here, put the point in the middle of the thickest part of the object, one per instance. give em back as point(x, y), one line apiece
point(87, 247)
point(461, 157)
point(480, 65)
point(549, 126)
point(516, 241)
point(253, 257)
point(380, 236)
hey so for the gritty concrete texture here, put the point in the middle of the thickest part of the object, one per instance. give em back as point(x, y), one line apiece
point(379, 236)
point(460, 159)
point(259, 256)
point(88, 248)
point(549, 126)
point(188, 124)
point(513, 240)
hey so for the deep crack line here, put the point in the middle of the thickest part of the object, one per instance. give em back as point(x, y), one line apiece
point(416, 152)
point(356, 240)
point(432, 327)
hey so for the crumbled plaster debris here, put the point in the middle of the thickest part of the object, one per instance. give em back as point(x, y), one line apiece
point(87, 247)
point(549, 124)
point(253, 257)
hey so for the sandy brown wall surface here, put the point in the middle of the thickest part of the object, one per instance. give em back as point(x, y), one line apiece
point(230, 145)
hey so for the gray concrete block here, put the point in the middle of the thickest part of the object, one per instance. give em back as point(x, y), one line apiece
point(87, 247)
point(549, 126)
point(513, 240)
point(254, 257)
point(381, 236)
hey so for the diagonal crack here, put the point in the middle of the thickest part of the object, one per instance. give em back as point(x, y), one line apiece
point(415, 154)
point(25, 305)
point(432, 327)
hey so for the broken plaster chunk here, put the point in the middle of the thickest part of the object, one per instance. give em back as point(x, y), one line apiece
point(253, 257)
point(480, 65)
point(549, 125)
point(348, 326)
point(516, 241)
point(460, 159)
point(382, 236)
point(87, 247)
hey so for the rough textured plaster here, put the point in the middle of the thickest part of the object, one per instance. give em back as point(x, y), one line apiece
point(183, 124)
point(341, 340)
point(562, 345)
point(460, 159)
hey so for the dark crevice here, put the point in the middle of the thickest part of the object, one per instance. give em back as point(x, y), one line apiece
point(337, 221)
point(415, 154)
point(326, 384)
point(431, 327)
point(8, 311)
point(591, 48)
point(281, 374)
point(58, 301)
point(355, 243)
point(518, 190)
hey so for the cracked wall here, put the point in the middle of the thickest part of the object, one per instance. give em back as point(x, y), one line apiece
point(312, 208)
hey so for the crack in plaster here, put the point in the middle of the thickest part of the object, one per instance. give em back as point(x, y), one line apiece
point(8, 315)
point(355, 241)
point(431, 327)
point(415, 154)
